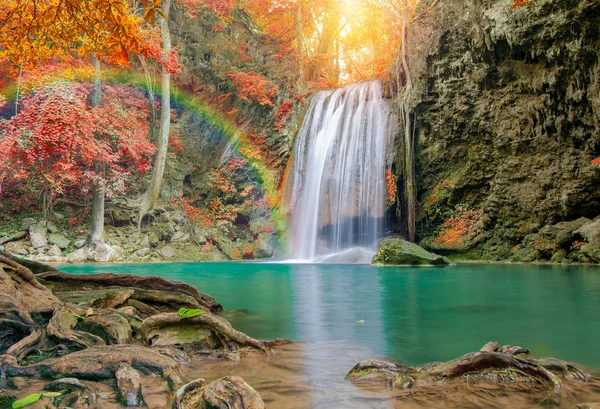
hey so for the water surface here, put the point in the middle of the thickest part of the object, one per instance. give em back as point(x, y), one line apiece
point(345, 313)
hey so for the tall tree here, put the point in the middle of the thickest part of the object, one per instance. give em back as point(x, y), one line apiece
point(149, 198)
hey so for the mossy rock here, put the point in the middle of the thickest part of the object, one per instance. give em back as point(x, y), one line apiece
point(398, 252)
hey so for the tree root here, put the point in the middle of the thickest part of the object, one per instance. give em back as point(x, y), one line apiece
point(229, 338)
point(490, 364)
point(99, 363)
point(143, 283)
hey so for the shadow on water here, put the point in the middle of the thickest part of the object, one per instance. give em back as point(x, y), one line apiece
point(341, 314)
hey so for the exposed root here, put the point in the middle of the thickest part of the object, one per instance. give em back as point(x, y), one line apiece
point(144, 283)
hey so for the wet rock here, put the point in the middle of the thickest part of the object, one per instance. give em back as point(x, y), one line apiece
point(129, 386)
point(59, 240)
point(230, 392)
point(401, 252)
point(37, 236)
point(54, 251)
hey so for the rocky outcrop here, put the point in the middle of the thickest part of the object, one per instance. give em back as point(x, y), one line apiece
point(399, 252)
point(507, 113)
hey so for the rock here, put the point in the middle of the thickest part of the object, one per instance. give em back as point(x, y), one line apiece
point(16, 247)
point(118, 252)
point(591, 251)
point(54, 251)
point(79, 243)
point(167, 252)
point(266, 245)
point(27, 223)
point(58, 239)
point(78, 256)
point(562, 233)
point(37, 236)
point(129, 386)
point(180, 236)
point(401, 252)
point(145, 242)
point(230, 392)
point(590, 232)
point(50, 226)
point(200, 236)
point(142, 252)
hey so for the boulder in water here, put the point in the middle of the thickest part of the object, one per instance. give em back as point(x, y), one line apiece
point(399, 252)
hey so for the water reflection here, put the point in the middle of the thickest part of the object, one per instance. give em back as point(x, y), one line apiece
point(339, 316)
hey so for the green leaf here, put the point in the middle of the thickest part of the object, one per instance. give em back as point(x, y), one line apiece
point(186, 313)
point(28, 400)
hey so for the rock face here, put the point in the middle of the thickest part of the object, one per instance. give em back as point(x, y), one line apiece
point(398, 252)
point(507, 104)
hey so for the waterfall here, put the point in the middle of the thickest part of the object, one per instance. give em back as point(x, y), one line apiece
point(338, 179)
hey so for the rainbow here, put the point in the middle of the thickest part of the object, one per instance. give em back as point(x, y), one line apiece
point(217, 120)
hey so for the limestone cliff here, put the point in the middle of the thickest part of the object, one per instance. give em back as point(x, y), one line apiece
point(508, 122)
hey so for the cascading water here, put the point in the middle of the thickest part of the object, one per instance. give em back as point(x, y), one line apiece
point(338, 180)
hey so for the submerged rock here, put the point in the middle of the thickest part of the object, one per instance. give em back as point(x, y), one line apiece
point(398, 252)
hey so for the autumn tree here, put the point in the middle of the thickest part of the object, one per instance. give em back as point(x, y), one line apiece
point(61, 141)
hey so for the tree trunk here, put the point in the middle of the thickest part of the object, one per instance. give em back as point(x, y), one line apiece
point(150, 197)
point(410, 187)
point(323, 60)
point(300, 42)
point(97, 214)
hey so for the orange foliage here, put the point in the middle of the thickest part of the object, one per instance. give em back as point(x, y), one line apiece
point(463, 226)
point(282, 113)
point(391, 187)
point(32, 32)
point(253, 87)
point(519, 3)
point(596, 162)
